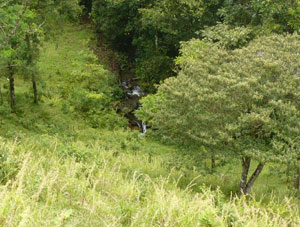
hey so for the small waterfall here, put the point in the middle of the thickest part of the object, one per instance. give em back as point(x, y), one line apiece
point(124, 85)
point(136, 91)
point(133, 93)
point(143, 127)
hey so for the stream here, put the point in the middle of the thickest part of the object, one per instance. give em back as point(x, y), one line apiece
point(129, 84)
point(133, 93)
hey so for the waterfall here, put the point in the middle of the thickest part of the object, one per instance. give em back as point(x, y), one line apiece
point(133, 93)
point(143, 127)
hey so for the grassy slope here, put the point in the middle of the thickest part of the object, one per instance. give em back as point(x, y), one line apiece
point(57, 171)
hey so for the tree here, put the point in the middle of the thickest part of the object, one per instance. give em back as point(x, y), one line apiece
point(14, 28)
point(228, 37)
point(48, 14)
point(244, 103)
point(149, 31)
point(267, 15)
point(31, 56)
point(21, 31)
point(118, 21)
point(163, 25)
point(6, 24)
point(295, 17)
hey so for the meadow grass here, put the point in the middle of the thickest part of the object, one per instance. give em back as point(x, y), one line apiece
point(56, 170)
point(57, 183)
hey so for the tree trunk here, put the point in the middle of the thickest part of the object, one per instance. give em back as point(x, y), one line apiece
point(245, 170)
point(287, 173)
point(35, 95)
point(245, 185)
point(1, 97)
point(30, 63)
point(12, 87)
point(297, 178)
point(213, 162)
point(254, 176)
point(156, 41)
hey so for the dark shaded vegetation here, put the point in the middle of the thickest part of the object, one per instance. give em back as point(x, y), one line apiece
point(148, 33)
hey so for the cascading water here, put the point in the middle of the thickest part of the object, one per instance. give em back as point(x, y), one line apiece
point(136, 90)
point(143, 126)
point(133, 94)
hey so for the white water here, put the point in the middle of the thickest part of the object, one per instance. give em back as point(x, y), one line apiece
point(124, 85)
point(135, 93)
point(143, 127)
point(136, 90)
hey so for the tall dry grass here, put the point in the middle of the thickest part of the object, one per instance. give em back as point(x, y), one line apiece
point(46, 188)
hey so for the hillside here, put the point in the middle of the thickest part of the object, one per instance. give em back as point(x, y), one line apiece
point(61, 165)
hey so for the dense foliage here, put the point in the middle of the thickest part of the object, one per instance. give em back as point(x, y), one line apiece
point(149, 32)
point(244, 101)
point(268, 15)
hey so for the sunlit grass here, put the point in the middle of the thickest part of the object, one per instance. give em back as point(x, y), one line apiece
point(92, 186)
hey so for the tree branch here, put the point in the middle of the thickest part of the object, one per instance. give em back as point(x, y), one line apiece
point(13, 32)
point(40, 25)
point(5, 4)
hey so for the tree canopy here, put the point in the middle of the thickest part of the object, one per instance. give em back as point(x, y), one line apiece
point(244, 102)
point(149, 32)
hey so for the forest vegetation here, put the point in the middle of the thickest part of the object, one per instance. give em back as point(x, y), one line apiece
point(216, 82)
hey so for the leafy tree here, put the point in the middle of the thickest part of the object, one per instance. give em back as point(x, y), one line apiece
point(56, 11)
point(163, 25)
point(228, 37)
point(295, 16)
point(243, 103)
point(15, 25)
point(271, 15)
point(31, 57)
point(149, 32)
point(118, 20)
point(21, 30)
